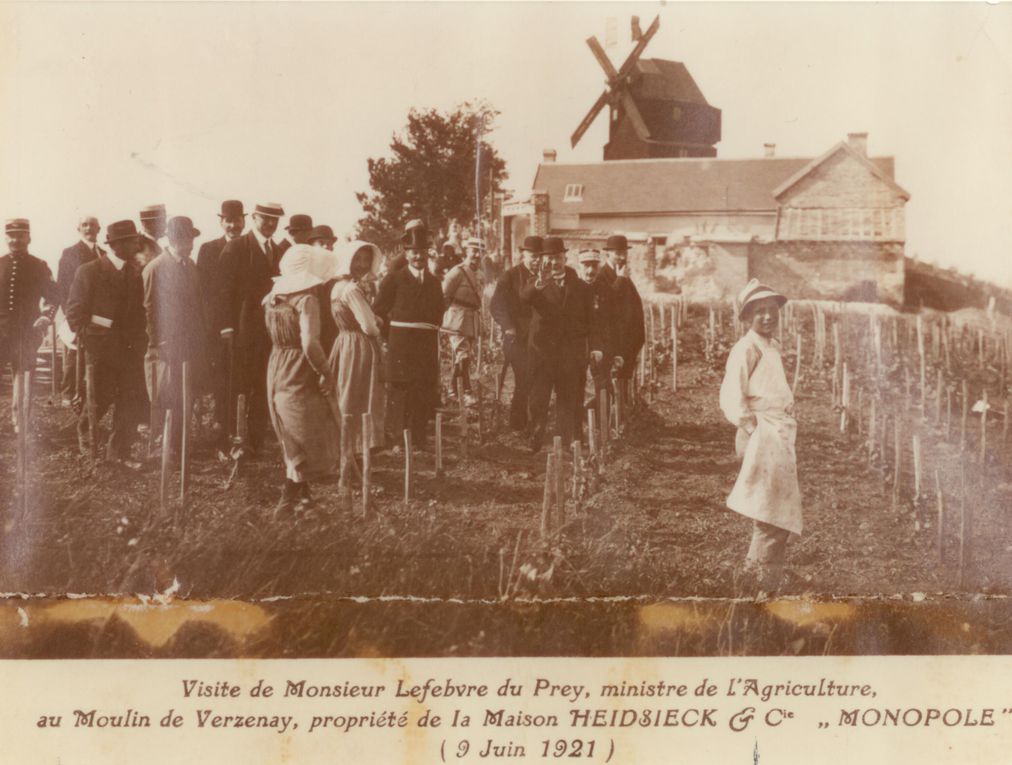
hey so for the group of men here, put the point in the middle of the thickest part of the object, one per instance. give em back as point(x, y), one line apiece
point(141, 313)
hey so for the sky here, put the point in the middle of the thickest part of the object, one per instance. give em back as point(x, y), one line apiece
point(113, 106)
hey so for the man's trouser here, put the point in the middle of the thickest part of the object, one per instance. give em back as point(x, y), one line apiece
point(564, 376)
point(411, 404)
point(20, 359)
point(119, 383)
point(517, 356)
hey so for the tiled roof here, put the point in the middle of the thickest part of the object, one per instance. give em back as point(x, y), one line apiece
point(673, 185)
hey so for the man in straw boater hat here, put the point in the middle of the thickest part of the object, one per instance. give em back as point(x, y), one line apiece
point(25, 283)
point(629, 331)
point(106, 312)
point(232, 219)
point(176, 325)
point(248, 267)
point(462, 290)
point(514, 317)
point(153, 221)
point(410, 302)
point(564, 332)
point(756, 397)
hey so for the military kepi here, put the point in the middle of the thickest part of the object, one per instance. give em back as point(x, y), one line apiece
point(17, 224)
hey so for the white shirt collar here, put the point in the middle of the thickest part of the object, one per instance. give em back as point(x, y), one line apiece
point(419, 273)
point(93, 246)
point(115, 260)
point(261, 239)
point(179, 258)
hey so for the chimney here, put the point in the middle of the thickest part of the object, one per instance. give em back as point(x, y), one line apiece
point(549, 155)
point(858, 142)
point(769, 150)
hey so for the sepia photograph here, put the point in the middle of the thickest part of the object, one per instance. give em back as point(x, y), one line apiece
point(407, 330)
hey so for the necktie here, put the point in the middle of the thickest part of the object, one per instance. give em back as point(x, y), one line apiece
point(269, 252)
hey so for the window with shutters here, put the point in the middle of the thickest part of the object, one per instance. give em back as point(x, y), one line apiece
point(574, 193)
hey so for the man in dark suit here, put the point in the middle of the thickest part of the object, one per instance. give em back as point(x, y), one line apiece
point(233, 220)
point(106, 312)
point(629, 330)
point(248, 266)
point(514, 317)
point(563, 330)
point(410, 302)
point(25, 283)
point(605, 304)
point(75, 256)
point(176, 327)
point(299, 229)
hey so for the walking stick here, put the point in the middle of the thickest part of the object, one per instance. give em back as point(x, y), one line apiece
point(153, 410)
point(55, 389)
point(366, 461)
point(347, 459)
point(230, 424)
point(184, 445)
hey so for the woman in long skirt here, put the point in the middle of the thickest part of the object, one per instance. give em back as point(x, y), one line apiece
point(298, 379)
point(356, 358)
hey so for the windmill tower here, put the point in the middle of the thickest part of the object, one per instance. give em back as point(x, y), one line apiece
point(655, 108)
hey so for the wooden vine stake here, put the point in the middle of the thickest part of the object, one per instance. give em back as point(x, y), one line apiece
point(962, 425)
point(941, 517)
point(897, 464)
point(166, 449)
point(983, 433)
point(408, 466)
point(577, 472)
point(797, 366)
point(23, 383)
point(439, 445)
point(674, 351)
point(560, 477)
point(546, 504)
point(916, 445)
point(347, 458)
point(844, 399)
point(964, 526)
point(463, 417)
point(367, 462)
point(184, 443)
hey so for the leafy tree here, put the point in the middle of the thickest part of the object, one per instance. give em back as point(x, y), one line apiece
point(431, 174)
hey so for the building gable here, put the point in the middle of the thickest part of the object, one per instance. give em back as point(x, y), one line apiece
point(841, 178)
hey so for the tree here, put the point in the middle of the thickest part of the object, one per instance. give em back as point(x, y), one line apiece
point(432, 174)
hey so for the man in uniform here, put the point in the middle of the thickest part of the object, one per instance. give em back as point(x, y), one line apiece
point(106, 311)
point(463, 286)
point(25, 283)
point(233, 220)
point(83, 251)
point(514, 317)
point(629, 330)
point(248, 267)
point(176, 327)
point(605, 303)
point(410, 302)
point(153, 219)
point(563, 330)
point(299, 228)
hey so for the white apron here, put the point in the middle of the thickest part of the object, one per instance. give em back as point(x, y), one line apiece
point(767, 485)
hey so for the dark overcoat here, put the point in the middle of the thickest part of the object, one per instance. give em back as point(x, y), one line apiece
point(412, 354)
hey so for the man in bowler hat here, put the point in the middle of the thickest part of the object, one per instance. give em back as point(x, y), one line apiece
point(563, 334)
point(25, 283)
point(233, 220)
point(299, 228)
point(410, 302)
point(83, 251)
point(176, 325)
point(629, 332)
point(249, 264)
point(514, 317)
point(106, 312)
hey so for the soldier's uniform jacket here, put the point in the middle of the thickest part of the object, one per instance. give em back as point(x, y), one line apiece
point(462, 290)
point(27, 291)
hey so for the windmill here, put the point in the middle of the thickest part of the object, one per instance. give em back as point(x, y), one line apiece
point(655, 107)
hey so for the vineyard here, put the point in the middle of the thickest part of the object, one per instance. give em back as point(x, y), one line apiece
point(621, 546)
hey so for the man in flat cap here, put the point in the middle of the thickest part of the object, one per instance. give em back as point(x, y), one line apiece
point(629, 330)
point(463, 287)
point(514, 317)
point(176, 324)
point(410, 302)
point(563, 334)
point(106, 312)
point(153, 219)
point(605, 303)
point(299, 227)
point(232, 219)
point(25, 283)
point(83, 251)
point(248, 267)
